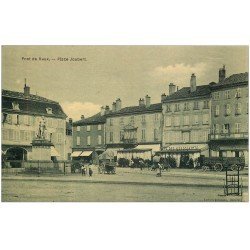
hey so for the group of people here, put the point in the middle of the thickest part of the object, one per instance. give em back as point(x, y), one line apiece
point(86, 169)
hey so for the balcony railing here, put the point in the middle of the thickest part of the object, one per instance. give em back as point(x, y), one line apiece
point(219, 136)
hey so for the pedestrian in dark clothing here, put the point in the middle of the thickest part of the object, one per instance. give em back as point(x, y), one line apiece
point(90, 172)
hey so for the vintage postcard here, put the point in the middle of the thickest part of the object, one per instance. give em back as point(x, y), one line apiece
point(124, 123)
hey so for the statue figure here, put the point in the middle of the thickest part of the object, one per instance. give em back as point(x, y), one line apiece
point(42, 130)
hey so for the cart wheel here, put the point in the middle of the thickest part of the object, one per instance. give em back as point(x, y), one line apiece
point(233, 167)
point(218, 167)
point(205, 168)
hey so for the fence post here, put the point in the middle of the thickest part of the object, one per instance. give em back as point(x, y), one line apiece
point(38, 169)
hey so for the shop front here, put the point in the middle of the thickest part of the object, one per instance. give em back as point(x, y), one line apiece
point(183, 154)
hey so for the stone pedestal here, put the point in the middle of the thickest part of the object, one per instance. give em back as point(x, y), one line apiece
point(41, 150)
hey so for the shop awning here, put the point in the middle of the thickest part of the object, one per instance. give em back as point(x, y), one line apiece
point(76, 153)
point(233, 147)
point(54, 152)
point(154, 147)
point(86, 153)
point(186, 148)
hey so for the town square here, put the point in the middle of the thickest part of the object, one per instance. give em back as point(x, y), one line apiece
point(98, 130)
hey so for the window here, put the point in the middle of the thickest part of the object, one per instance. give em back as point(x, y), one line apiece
point(156, 134)
point(111, 137)
point(121, 120)
point(177, 121)
point(78, 140)
point(168, 122)
point(196, 105)
point(205, 119)
point(227, 94)
point(9, 118)
point(15, 105)
point(88, 128)
point(50, 122)
point(168, 108)
point(156, 117)
point(59, 137)
point(177, 107)
point(238, 108)
point(186, 106)
point(88, 140)
point(225, 128)
point(238, 93)
point(186, 120)
point(99, 127)
point(217, 110)
point(99, 139)
point(143, 133)
point(5, 134)
point(215, 128)
point(78, 128)
point(121, 135)
point(49, 111)
point(132, 119)
point(216, 95)
point(195, 136)
point(111, 122)
point(196, 120)
point(227, 109)
point(237, 127)
point(206, 104)
point(185, 136)
point(143, 118)
point(205, 135)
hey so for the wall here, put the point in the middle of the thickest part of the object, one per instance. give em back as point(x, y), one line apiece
point(150, 122)
point(197, 129)
point(93, 133)
point(25, 131)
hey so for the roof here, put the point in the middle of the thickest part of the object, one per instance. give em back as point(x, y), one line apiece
point(21, 96)
point(34, 105)
point(137, 110)
point(235, 79)
point(185, 93)
point(95, 119)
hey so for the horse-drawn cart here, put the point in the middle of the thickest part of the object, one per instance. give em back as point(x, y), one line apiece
point(222, 163)
point(107, 165)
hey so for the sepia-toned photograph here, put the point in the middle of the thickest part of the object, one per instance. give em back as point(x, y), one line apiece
point(124, 123)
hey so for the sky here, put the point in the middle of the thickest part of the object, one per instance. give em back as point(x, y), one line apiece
point(101, 74)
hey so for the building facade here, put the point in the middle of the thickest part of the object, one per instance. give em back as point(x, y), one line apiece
point(187, 121)
point(21, 116)
point(137, 126)
point(89, 136)
point(229, 128)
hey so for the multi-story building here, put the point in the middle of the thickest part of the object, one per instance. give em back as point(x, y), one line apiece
point(21, 116)
point(229, 128)
point(136, 126)
point(88, 136)
point(186, 115)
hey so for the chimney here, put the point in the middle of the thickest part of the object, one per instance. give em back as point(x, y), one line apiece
point(107, 110)
point(222, 74)
point(118, 104)
point(26, 89)
point(113, 107)
point(82, 117)
point(171, 88)
point(141, 102)
point(70, 121)
point(163, 97)
point(147, 98)
point(193, 83)
point(102, 110)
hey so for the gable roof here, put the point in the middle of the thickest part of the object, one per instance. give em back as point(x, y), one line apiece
point(33, 105)
point(202, 91)
point(157, 107)
point(95, 119)
point(233, 80)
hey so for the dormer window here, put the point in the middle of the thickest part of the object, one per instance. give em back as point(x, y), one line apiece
point(49, 111)
point(15, 105)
